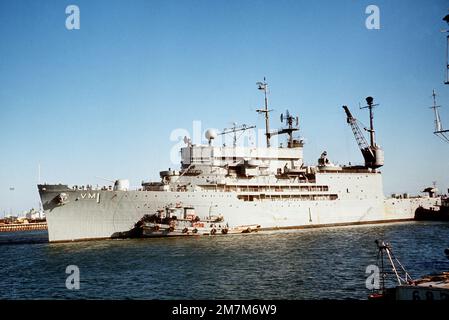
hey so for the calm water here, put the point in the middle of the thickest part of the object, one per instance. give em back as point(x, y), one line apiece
point(305, 264)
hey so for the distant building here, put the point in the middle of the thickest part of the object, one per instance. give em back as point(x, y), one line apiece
point(34, 214)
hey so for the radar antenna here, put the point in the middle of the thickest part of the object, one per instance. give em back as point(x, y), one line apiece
point(439, 131)
point(292, 123)
point(234, 130)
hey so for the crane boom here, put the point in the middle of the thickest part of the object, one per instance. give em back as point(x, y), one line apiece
point(372, 154)
point(361, 141)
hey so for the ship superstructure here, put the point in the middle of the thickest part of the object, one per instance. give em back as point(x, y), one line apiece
point(267, 186)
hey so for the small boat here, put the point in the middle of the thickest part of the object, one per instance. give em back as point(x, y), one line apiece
point(244, 229)
point(183, 221)
point(431, 287)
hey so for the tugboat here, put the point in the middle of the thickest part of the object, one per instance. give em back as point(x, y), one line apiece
point(183, 221)
point(269, 185)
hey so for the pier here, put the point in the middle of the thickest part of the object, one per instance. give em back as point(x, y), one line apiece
point(13, 227)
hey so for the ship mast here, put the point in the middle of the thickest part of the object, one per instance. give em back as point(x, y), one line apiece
point(435, 110)
point(439, 131)
point(264, 87)
point(372, 153)
point(289, 119)
point(447, 59)
point(446, 81)
point(385, 254)
point(371, 130)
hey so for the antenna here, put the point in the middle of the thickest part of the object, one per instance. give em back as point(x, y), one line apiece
point(446, 81)
point(439, 131)
point(447, 60)
point(234, 130)
point(289, 120)
point(437, 115)
point(187, 141)
point(101, 178)
point(264, 87)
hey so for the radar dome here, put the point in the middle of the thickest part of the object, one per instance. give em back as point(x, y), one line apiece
point(211, 134)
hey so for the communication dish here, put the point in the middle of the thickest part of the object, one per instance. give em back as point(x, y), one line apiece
point(282, 117)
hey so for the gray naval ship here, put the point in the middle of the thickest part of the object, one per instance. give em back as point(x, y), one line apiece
point(247, 188)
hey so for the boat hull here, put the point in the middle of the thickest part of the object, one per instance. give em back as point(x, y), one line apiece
point(94, 214)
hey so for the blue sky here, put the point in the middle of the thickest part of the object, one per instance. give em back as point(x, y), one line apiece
point(103, 100)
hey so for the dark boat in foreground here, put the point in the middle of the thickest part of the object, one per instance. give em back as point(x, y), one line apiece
point(430, 287)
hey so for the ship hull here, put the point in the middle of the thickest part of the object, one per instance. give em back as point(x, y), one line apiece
point(96, 214)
